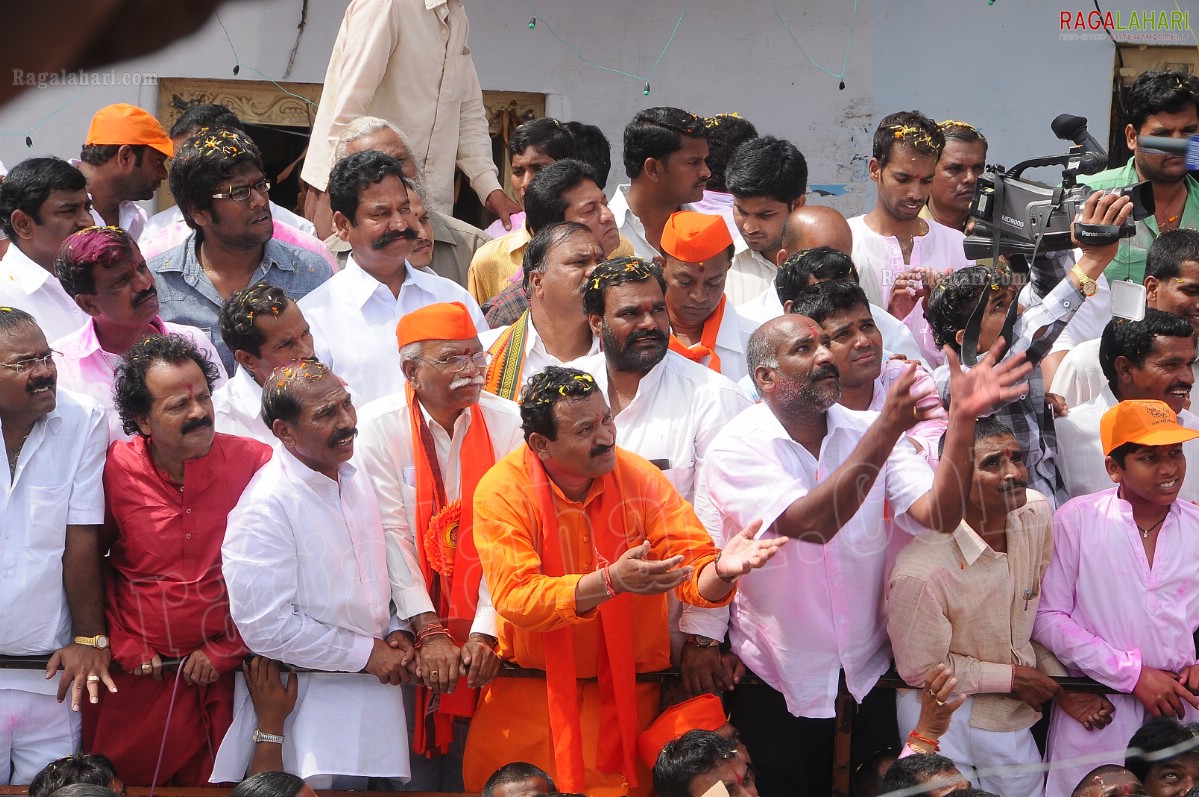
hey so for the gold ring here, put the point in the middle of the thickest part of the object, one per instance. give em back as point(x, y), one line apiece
point(147, 666)
point(93, 678)
point(433, 673)
point(940, 702)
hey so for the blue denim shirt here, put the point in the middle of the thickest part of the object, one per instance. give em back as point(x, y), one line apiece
point(187, 296)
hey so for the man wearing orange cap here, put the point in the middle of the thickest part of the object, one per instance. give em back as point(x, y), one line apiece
point(565, 525)
point(426, 448)
point(705, 327)
point(704, 713)
point(124, 160)
point(1119, 602)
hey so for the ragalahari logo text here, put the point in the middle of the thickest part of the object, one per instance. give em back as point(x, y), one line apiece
point(1178, 21)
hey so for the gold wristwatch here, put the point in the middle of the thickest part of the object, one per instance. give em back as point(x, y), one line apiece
point(1087, 285)
point(701, 641)
point(99, 641)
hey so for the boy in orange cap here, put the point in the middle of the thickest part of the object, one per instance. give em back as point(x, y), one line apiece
point(124, 160)
point(705, 328)
point(1119, 602)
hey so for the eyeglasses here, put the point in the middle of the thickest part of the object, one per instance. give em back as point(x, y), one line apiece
point(21, 366)
point(457, 363)
point(242, 192)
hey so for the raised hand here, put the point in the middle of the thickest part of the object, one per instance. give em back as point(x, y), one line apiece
point(989, 384)
point(743, 553)
point(634, 572)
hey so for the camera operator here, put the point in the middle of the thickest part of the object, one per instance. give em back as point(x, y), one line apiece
point(1158, 104)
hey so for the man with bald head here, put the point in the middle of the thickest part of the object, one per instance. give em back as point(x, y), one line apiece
point(812, 265)
point(789, 463)
point(454, 241)
point(1109, 780)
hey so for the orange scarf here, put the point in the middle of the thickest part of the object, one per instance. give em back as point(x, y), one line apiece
point(448, 560)
point(616, 668)
point(707, 340)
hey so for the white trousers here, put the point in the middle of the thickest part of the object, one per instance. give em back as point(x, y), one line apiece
point(34, 730)
point(1003, 762)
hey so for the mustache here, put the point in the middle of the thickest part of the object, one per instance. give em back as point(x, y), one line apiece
point(1179, 386)
point(339, 437)
point(195, 423)
point(828, 370)
point(144, 296)
point(390, 237)
point(463, 381)
point(38, 384)
point(1013, 485)
point(599, 451)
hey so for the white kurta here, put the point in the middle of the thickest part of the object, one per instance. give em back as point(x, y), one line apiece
point(388, 453)
point(679, 408)
point(353, 318)
point(305, 563)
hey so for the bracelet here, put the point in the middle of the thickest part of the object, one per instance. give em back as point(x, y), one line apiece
point(716, 570)
point(936, 747)
point(430, 631)
point(611, 590)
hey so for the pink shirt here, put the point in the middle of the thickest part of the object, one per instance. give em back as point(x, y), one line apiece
point(174, 234)
point(1104, 612)
point(879, 260)
point(86, 368)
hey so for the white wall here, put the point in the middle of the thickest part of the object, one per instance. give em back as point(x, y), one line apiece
point(1002, 67)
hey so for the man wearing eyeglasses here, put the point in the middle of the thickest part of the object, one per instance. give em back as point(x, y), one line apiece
point(217, 178)
point(51, 508)
point(354, 315)
point(426, 448)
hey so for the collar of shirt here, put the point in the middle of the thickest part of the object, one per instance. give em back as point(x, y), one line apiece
point(534, 343)
point(51, 422)
point(84, 343)
point(198, 473)
point(19, 268)
point(515, 242)
point(186, 260)
point(839, 420)
point(970, 544)
point(620, 210)
point(361, 287)
point(729, 335)
point(244, 389)
point(321, 484)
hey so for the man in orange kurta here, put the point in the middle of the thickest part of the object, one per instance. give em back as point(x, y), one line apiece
point(577, 538)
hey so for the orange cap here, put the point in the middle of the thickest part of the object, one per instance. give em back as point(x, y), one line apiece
point(127, 124)
point(1147, 423)
point(442, 321)
point(694, 237)
point(703, 713)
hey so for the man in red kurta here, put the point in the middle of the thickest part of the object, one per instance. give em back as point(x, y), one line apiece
point(169, 490)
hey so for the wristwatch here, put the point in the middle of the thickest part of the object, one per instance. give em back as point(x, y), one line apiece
point(701, 641)
point(99, 641)
point(262, 736)
point(1087, 285)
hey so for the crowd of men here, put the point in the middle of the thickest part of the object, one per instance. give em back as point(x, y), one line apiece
point(699, 424)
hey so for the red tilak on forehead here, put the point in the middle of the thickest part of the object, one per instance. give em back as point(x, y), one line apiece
point(191, 392)
point(816, 331)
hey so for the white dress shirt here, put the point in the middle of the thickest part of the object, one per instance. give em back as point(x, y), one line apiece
point(897, 339)
point(630, 226)
point(679, 408)
point(1081, 459)
point(537, 359)
point(305, 563)
point(58, 482)
point(814, 610)
point(237, 407)
point(353, 318)
point(131, 217)
point(86, 368)
point(749, 275)
point(388, 453)
point(27, 286)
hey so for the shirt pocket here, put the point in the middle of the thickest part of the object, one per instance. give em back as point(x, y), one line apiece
point(46, 526)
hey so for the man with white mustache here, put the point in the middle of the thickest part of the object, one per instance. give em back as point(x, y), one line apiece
point(426, 448)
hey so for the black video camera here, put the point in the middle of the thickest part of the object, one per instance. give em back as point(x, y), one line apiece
point(1014, 216)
